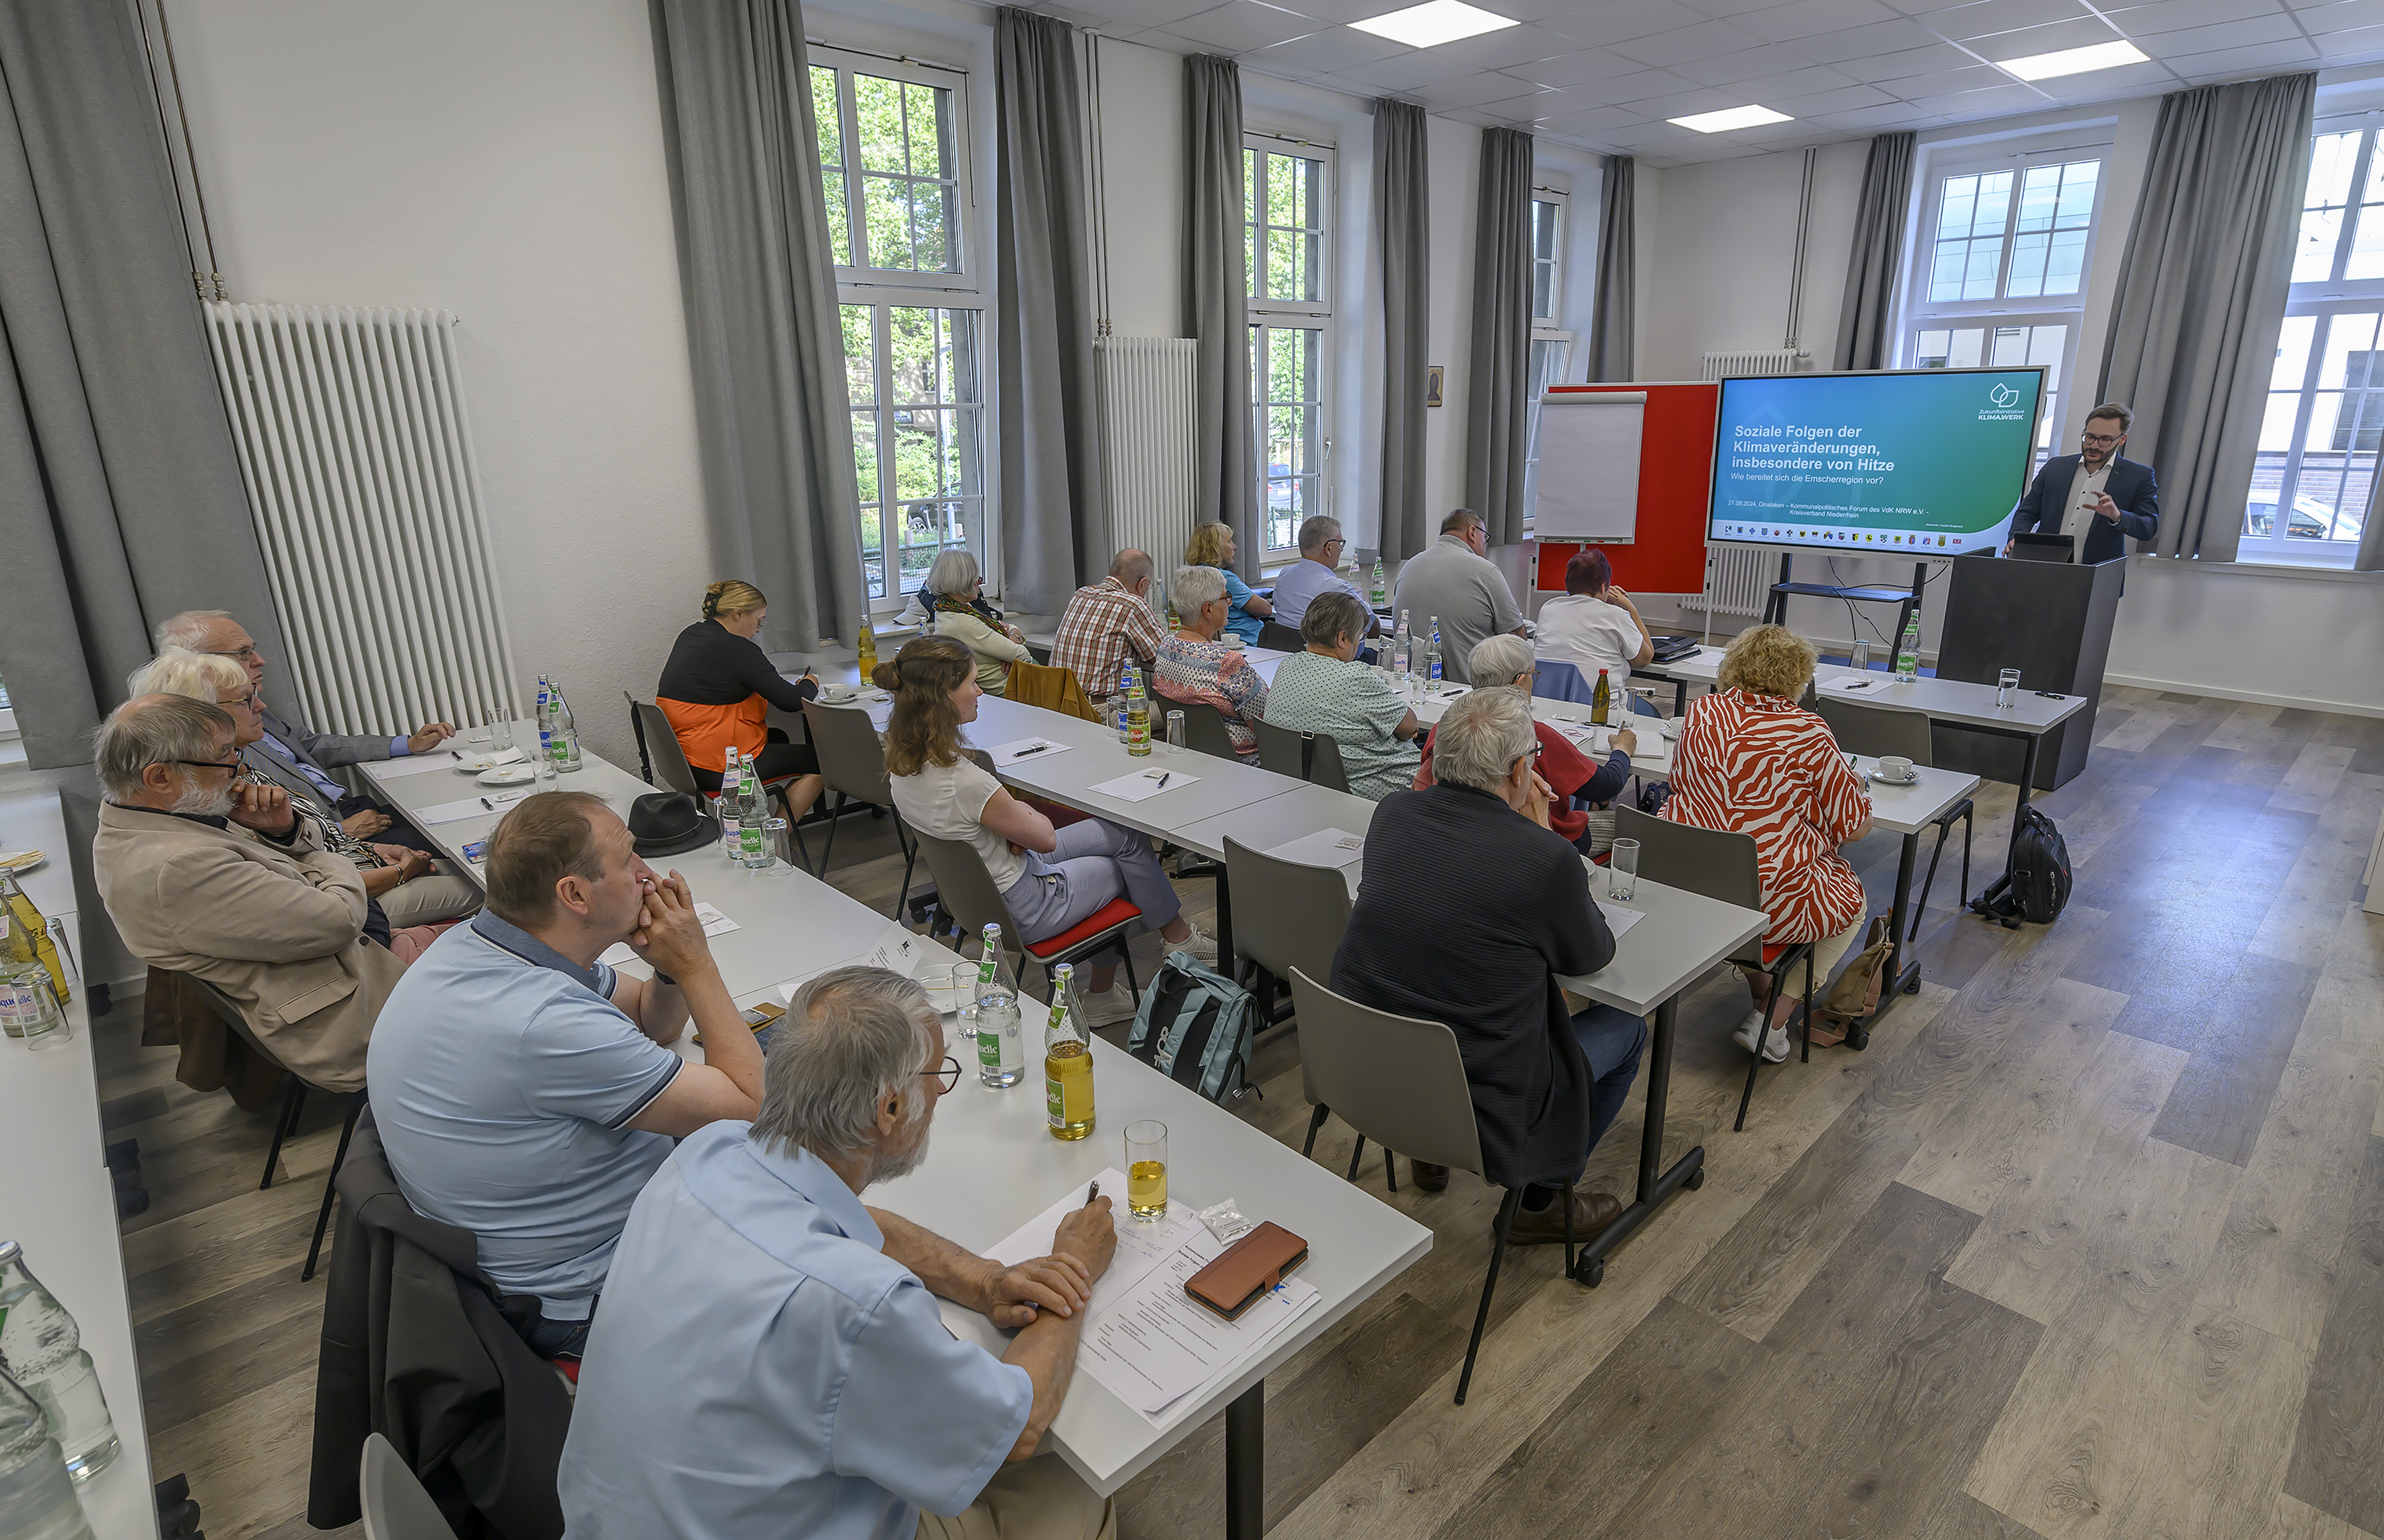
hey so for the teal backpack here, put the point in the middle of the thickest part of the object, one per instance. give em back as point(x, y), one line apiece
point(1195, 1026)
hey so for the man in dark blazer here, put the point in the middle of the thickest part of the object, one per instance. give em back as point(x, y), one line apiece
point(1469, 910)
point(2094, 496)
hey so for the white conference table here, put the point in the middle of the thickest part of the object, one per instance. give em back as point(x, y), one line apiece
point(1906, 811)
point(61, 1205)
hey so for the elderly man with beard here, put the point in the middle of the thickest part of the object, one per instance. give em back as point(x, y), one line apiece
point(770, 1359)
point(215, 877)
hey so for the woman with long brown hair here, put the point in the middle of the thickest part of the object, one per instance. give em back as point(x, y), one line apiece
point(1050, 878)
point(719, 687)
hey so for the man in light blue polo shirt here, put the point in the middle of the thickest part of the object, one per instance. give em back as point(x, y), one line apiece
point(770, 1359)
point(524, 1090)
point(1320, 547)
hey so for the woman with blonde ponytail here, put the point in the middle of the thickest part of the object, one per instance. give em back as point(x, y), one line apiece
point(717, 690)
point(1052, 879)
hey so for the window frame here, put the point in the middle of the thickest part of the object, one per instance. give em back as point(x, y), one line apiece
point(883, 290)
point(1547, 331)
point(2324, 299)
point(1266, 315)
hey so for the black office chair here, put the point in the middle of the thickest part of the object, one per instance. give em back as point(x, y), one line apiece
point(1722, 865)
point(1874, 731)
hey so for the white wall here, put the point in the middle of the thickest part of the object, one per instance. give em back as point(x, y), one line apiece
point(1141, 126)
point(2248, 634)
point(506, 163)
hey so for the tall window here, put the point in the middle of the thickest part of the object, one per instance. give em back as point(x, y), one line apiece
point(2319, 438)
point(1287, 200)
point(1551, 344)
point(895, 169)
point(1999, 277)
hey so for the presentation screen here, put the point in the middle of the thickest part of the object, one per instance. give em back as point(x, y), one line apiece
point(1909, 462)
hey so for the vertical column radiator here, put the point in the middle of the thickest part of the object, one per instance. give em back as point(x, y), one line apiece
point(357, 453)
point(1738, 582)
point(1147, 447)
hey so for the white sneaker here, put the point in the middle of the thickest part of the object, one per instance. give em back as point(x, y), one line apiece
point(1775, 1047)
point(1200, 944)
point(1743, 1034)
point(1113, 1004)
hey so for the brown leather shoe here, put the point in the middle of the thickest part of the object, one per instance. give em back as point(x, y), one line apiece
point(1428, 1177)
point(1592, 1211)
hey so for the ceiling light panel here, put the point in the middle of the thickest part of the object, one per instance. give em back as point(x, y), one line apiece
point(2073, 61)
point(1433, 22)
point(1730, 117)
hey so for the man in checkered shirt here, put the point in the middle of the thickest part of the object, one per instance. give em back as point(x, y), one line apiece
point(1104, 622)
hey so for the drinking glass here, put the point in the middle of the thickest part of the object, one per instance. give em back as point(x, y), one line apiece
point(1860, 657)
point(773, 845)
point(1622, 871)
point(2007, 689)
point(1174, 732)
point(960, 985)
point(501, 728)
point(1146, 1169)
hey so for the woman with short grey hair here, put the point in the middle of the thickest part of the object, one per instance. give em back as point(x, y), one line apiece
point(1199, 667)
point(954, 596)
point(1505, 661)
point(1325, 689)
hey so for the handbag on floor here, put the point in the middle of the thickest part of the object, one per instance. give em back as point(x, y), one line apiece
point(1855, 997)
point(1195, 1028)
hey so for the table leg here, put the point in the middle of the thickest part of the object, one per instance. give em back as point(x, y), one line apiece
point(1246, 1465)
point(1901, 979)
point(1657, 1185)
point(1224, 922)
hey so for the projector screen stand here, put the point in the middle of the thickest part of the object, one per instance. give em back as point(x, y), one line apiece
point(1906, 601)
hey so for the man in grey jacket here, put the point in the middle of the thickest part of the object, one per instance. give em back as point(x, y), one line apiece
point(292, 753)
point(1455, 583)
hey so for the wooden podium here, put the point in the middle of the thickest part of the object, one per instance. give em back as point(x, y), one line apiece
point(2050, 620)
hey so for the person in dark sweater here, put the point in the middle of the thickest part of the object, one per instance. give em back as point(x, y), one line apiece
point(1469, 908)
point(717, 689)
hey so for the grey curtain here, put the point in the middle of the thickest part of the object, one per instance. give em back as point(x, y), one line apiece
point(1610, 339)
point(1498, 408)
point(1403, 220)
point(1054, 530)
point(2201, 297)
point(764, 332)
point(1216, 301)
point(1863, 339)
point(120, 497)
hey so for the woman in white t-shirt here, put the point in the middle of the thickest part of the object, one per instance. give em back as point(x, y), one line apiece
point(1050, 879)
point(1594, 625)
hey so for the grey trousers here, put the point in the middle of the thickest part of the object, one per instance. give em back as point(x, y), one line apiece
point(446, 894)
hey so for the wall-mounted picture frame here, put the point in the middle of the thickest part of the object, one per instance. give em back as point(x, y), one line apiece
point(1433, 374)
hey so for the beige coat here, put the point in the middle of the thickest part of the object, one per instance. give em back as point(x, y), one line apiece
point(281, 932)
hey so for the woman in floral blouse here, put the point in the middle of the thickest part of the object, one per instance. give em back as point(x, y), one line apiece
point(1753, 762)
point(1194, 669)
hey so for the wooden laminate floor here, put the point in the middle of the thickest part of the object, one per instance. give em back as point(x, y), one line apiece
point(2090, 1242)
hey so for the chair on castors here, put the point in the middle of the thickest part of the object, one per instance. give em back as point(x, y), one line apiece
point(1873, 731)
point(1400, 1082)
point(1285, 916)
point(1275, 636)
point(853, 762)
point(1722, 865)
point(397, 1505)
point(664, 761)
point(293, 1105)
point(966, 892)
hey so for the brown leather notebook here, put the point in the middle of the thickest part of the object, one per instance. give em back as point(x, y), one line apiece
point(1245, 1270)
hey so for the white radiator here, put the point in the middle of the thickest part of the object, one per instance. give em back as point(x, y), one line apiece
point(357, 452)
point(1147, 447)
point(1739, 581)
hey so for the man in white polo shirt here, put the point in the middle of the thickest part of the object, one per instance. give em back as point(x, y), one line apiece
point(525, 1091)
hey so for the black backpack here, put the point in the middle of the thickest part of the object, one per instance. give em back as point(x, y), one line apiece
point(2038, 886)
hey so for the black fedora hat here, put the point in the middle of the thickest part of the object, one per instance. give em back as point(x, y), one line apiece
point(666, 823)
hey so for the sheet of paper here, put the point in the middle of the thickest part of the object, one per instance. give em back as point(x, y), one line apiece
point(1025, 748)
point(1324, 847)
point(471, 807)
point(1618, 919)
point(1153, 1345)
point(1857, 684)
point(1141, 1244)
point(715, 923)
point(900, 949)
point(449, 760)
point(1142, 784)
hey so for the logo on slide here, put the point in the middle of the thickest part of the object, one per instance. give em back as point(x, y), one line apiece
point(2003, 396)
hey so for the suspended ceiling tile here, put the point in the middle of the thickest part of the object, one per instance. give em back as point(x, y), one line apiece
point(2342, 16)
point(1245, 26)
point(1812, 18)
point(2275, 27)
point(1823, 103)
point(1510, 45)
point(2172, 15)
point(1985, 18)
point(1324, 52)
point(1479, 89)
point(1578, 68)
point(1703, 41)
point(1936, 58)
point(2236, 64)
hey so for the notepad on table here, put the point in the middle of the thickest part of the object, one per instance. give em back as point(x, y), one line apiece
point(715, 923)
point(1144, 783)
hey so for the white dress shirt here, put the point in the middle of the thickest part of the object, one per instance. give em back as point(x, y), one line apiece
point(2078, 521)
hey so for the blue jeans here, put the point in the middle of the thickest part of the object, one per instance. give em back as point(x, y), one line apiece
point(1612, 1041)
point(1095, 863)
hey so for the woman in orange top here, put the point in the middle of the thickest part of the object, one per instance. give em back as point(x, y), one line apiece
point(717, 689)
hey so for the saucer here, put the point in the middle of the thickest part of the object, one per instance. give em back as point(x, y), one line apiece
point(836, 695)
point(510, 774)
point(1885, 778)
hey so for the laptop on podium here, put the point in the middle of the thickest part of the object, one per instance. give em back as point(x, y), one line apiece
point(2032, 546)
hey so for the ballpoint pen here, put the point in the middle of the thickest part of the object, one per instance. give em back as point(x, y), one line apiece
point(1024, 752)
point(1095, 1193)
point(489, 805)
point(1163, 781)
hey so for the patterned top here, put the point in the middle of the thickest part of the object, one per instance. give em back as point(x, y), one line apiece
point(1313, 694)
point(1210, 672)
point(1104, 621)
point(1757, 764)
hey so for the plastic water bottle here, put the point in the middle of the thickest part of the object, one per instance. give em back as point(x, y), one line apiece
point(731, 837)
point(1382, 595)
point(1907, 652)
point(1400, 647)
point(1431, 653)
point(1000, 1046)
point(37, 1501)
point(752, 839)
point(545, 743)
point(43, 1349)
point(567, 733)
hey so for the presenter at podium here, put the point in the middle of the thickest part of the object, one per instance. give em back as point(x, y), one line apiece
point(2094, 497)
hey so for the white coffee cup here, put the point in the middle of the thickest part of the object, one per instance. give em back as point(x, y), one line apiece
point(834, 694)
point(1896, 767)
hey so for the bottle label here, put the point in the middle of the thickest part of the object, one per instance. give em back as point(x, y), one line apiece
point(988, 1049)
point(1055, 1103)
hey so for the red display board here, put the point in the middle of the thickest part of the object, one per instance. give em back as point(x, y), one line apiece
point(1668, 553)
